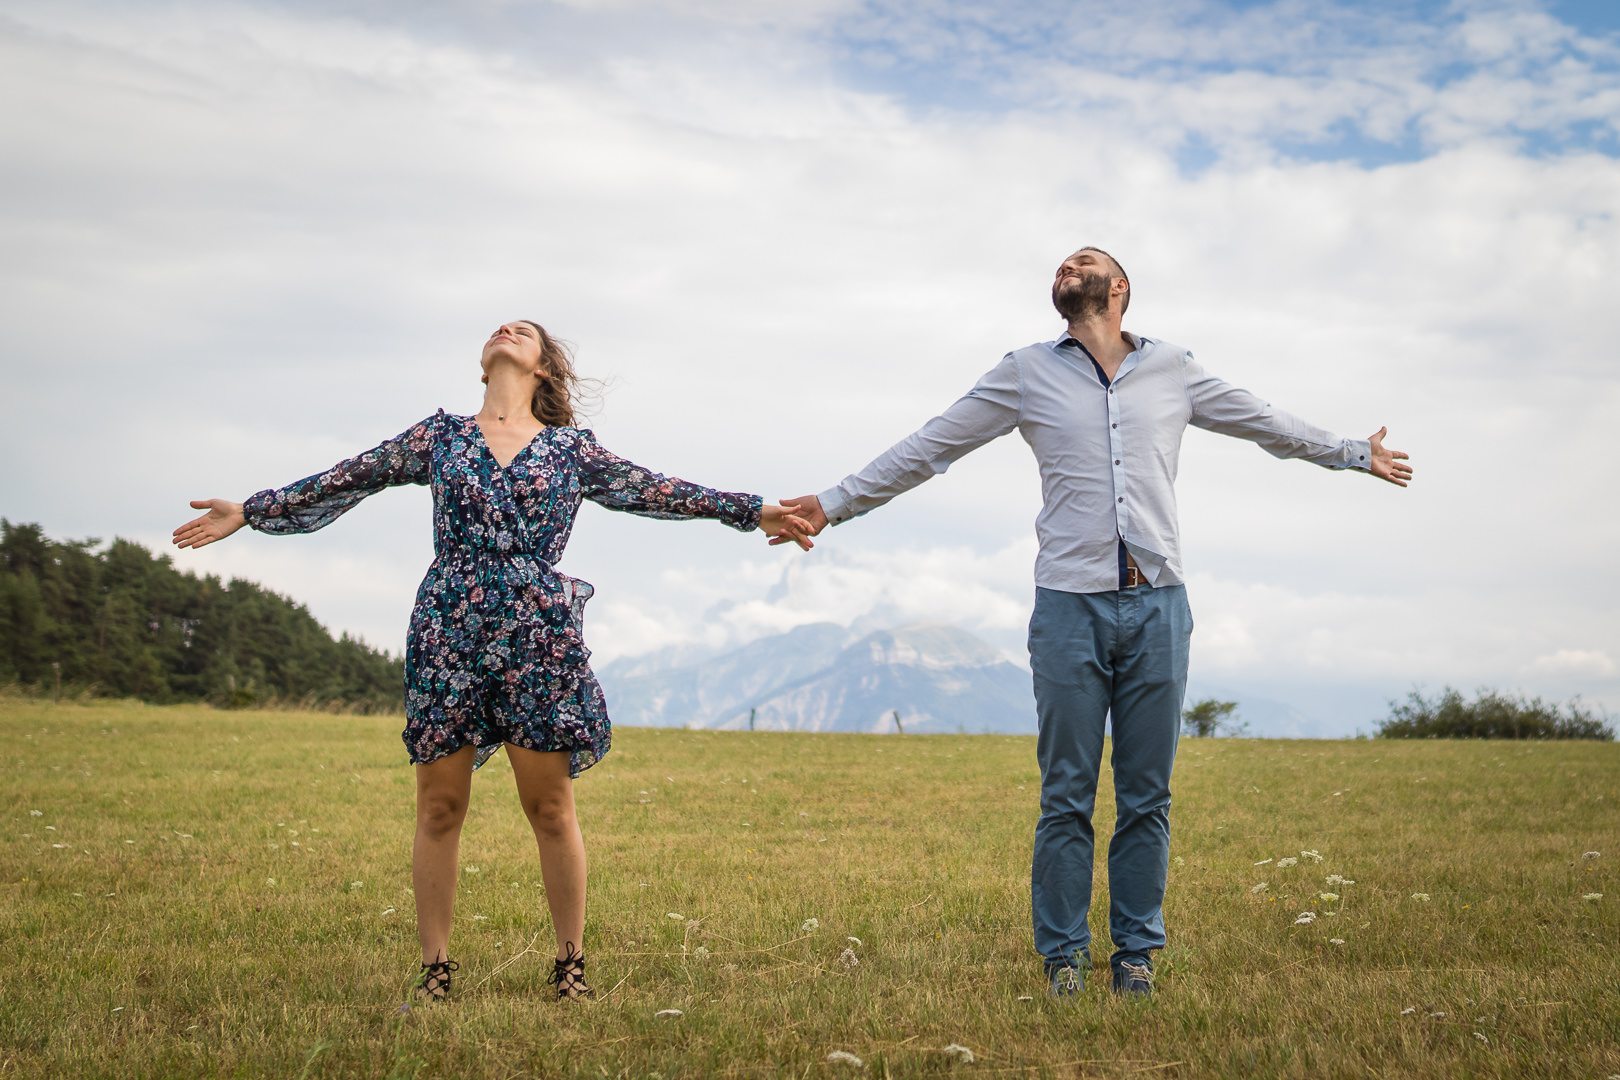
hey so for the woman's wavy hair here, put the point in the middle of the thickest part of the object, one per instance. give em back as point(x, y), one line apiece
point(562, 395)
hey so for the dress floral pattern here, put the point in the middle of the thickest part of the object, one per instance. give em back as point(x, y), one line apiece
point(495, 651)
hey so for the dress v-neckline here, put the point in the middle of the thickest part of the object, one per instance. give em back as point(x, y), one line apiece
point(490, 450)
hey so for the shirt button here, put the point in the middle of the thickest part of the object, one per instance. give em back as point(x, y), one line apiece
point(1116, 425)
point(1116, 461)
point(1122, 498)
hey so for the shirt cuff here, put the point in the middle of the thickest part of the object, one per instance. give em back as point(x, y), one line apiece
point(1359, 452)
point(835, 506)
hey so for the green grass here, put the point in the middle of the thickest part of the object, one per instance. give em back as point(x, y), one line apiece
point(151, 943)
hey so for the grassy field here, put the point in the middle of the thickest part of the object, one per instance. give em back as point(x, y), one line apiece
point(190, 892)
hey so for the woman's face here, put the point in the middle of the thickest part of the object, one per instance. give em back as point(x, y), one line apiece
point(513, 343)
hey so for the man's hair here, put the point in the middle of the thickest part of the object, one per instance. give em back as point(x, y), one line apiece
point(1119, 271)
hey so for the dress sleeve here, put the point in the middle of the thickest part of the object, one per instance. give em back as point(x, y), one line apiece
point(608, 480)
point(316, 501)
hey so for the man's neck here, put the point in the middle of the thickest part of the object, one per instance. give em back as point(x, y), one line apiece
point(1102, 338)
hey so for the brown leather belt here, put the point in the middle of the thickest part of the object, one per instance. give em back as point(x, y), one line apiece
point(1133, 574)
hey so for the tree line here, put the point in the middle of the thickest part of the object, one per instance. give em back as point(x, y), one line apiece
point(1491, 715)
point(123, 622)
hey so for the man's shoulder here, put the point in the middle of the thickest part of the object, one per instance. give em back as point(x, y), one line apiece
point(1158, 348)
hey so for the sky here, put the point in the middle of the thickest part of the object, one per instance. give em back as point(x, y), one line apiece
point(241, 241)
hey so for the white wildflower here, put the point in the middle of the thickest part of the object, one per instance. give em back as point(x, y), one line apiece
point(1586, 857)
point(472, 869)
point(1482, 1038)
point(840, 1057)
point(673, 915)
point(50, 828)
point(1422, 897)
point(1314, 856)
point(849, 959)
point(728, 967)
point(1262, 862)
point(1328, 896)
point(36, 813)
point(388, 911)
point(1409, 1010)
point(1284, 863)
point(1305, 918)
point(1180, 861)
point(960, 1053)
point(810, 924)
point(1437, 1016)
point(1592, 897)
point(1336, 879)
point(353, 885)
point(1260, 888)
point(856, 940)
point(481, 918)
point(701, 952)
point(1335, 941)
point(667, 1014)
point(269, 881)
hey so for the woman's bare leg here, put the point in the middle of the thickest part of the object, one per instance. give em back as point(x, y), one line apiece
point(442, 790)
point(547, 794)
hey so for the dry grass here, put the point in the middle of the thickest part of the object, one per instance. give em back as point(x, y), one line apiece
point(151, 942)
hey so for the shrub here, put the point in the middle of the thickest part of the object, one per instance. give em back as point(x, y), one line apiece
point(1491, 715)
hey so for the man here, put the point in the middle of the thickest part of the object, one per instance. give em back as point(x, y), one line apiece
point(1104, 412)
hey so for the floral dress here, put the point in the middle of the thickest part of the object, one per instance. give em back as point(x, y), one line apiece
point(495, 651)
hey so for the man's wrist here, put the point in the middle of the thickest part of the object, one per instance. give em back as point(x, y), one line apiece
point(834, 507)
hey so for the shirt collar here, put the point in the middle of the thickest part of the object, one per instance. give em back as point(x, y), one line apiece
point(1137, 343)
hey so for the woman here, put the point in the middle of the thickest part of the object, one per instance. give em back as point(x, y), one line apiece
point(494, 653)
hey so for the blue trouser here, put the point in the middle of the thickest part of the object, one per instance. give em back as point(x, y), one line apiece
point(1123, 652)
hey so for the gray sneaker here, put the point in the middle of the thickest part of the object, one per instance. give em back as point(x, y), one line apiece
point(1134, 980)
point(1067, 981)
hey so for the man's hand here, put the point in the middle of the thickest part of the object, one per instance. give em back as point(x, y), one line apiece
point(1388, 464)
point(808, 507)
point(782, 525)
point(223, 518)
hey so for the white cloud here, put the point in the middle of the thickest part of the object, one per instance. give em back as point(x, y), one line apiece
point(1574, 662)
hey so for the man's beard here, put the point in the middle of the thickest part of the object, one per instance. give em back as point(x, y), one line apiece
point(1088, 299)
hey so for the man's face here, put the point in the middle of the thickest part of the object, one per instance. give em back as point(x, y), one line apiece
point(1082, 286)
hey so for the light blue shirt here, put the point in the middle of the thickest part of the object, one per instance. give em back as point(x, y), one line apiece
point(1108, 455)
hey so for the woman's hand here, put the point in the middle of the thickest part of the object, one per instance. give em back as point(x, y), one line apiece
point(222, 519)
point(782, 525)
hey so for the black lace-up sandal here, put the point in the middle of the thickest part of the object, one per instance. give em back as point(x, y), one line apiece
point(432, 986)
point(568, 975)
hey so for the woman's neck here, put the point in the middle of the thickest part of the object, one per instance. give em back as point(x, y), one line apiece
point(507, 398)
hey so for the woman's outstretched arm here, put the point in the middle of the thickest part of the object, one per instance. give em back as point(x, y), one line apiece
point(316, 501)
point(613, 482)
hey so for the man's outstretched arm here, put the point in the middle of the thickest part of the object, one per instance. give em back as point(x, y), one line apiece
point(1230, 410)
point(986, 412)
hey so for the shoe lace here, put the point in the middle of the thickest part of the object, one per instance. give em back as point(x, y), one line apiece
point(1138, 971)
point(434, 981)
point(568, 974)
point(1068, 979)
